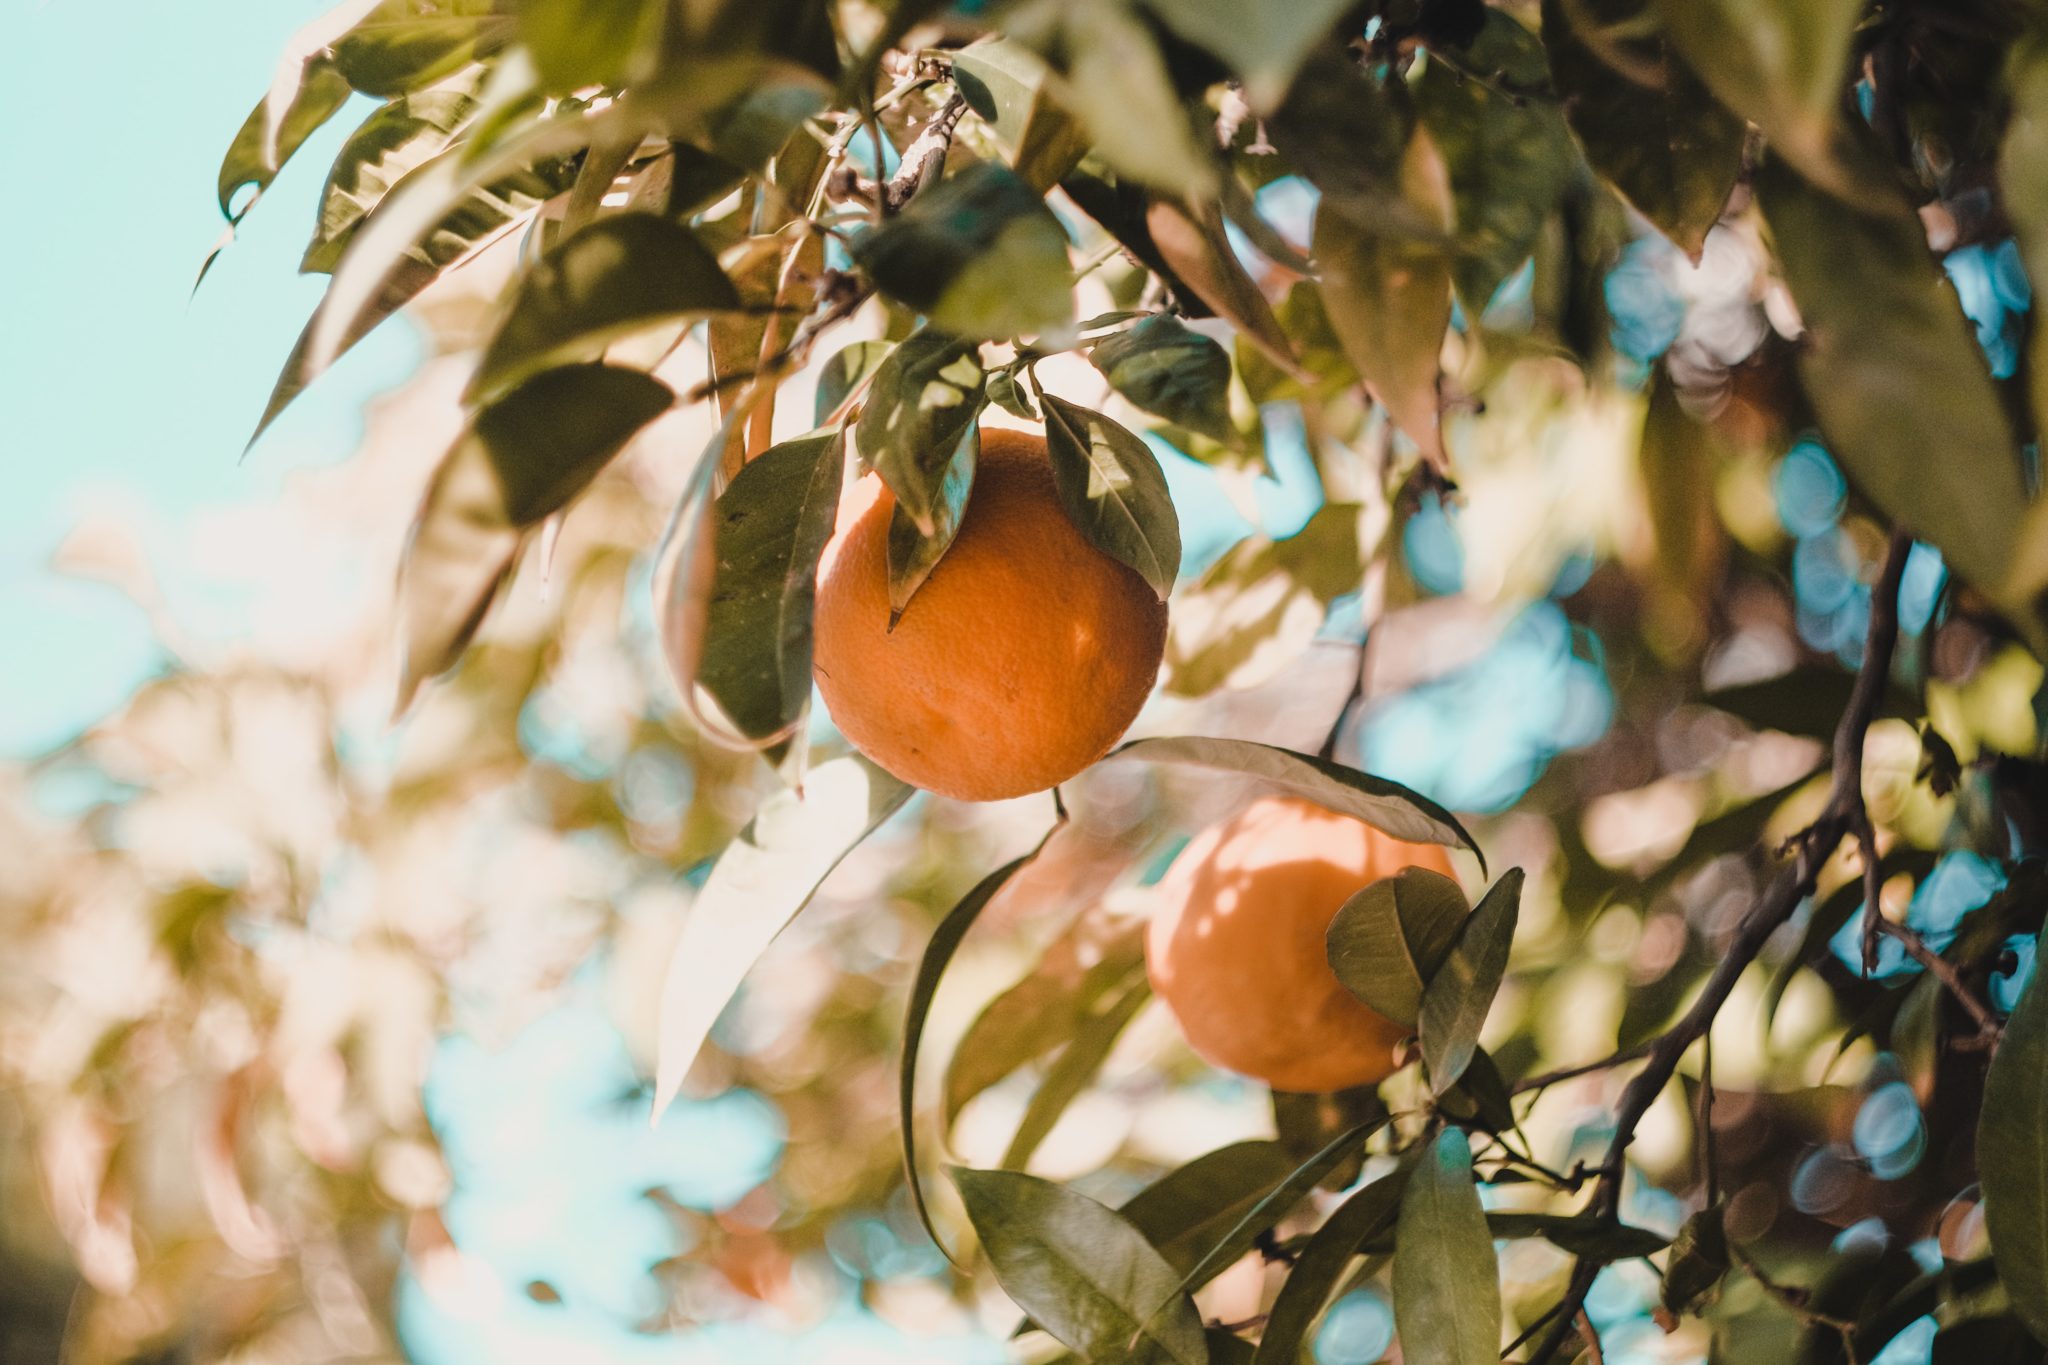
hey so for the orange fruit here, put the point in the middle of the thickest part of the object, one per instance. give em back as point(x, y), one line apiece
point(1024, 656)
point(1236, 946)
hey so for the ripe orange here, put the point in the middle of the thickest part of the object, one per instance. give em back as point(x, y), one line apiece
point(1236, 946)
point(1019, 662)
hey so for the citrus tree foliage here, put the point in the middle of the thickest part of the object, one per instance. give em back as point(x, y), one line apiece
point(1658, 315)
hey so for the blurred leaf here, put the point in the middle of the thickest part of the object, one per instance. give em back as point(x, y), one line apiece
point(1073, 1071)
point(1681, 459)
point(1979, 1341)
point(1196, 249)
point(1263, 41)
point(938, 955)
point(405, 45)
point(1389, 940)
point(1385, 805)
point(980, 255)
point(1366, 1214)
point(1114, 492)
point(1324, 371)
point(1480, 1098)
point(1121, 210)
point(773, 521)
point(764, 877)
point(1305, 1123)
point(1004, 82)
point(386, 147)
point(1460, 993)
point(1508, 152)
point(845, 372)
point(1783, 67)
point(1582, 1234)
point(1227, 1348)
point(2012, 1157)
point(523, 458)
point(1171, 371)
point(1041, 1012)
point(1446, 1281)
point(924, 397)
point(576, 43)
point(2023, 182)
point(1891, 368)
point(1081, 1271)
point(1666, 144)
point(1389, 296)
point(1189, 1210)
point(1698, 1262)
point(1808, 701)
point(1347, 133)
point(1006, 393)
point(912, 554)
point(1110, 74)
point(250, 158)
point(622, 273)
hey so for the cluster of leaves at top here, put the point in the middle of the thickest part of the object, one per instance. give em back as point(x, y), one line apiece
point(681, 164)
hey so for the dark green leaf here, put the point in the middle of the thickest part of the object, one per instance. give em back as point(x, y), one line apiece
point(522, 459)
point(1006, 393)
point(1388, 941)
point(1891, 368)
point(587, 42)
point(1509, 154)
point(938, 954)
point(1114, 491)
point(1171, 371)
point(1346, 132)
point(912, 553)
point(1263, 41)
point(1081, 1271)
point(980, 255)
point(1481, 1097)
point(1368, 1213)
point(1187, 1211)
point(1004, 82)
point(1073, 1071)
point(2012, 1156)
point(1581, 1234)
point(1196, 251)
point(773, 521)
point(1460, 992)
point(387, 147)
point(1446, 1281)
point(1699, 1262)
point(923, 399)
point(618, 275)
point(1228, 1348)
point(1654, 131)
point(845, 372)
point(405, 45)
point(252, 160)
point(1385, 805)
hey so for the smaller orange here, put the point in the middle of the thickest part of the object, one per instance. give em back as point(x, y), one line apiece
point(1236, 946)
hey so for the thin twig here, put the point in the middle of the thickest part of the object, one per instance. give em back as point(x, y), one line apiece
point(1794, 1300)
point(1945, 972)
point(1570, 1073)
point(1709, 1167)
point(1810, 852)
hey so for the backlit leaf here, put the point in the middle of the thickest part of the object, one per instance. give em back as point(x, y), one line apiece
point(1387, 941)
point(405, 45)
point(922, 401)
point(1171, 371)
point(1277, 1203)
point(1073, 1071)
point(1192, 243)
point(1004, 82)
point(1447, 1305)
point(1461, 990)
point(1116, 83)
point(386, 147)
point(2012, 1157)
point(1191, 1209)
point(1366, 1214)
point(1111, 485)
point(252, 158)
point(1264, 41)
point(587, 42)
point(845, 372)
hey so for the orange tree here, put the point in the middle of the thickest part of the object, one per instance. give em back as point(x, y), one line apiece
point(1814, 574)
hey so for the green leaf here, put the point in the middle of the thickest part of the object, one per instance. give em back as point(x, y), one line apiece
point(1195, 249)
point(2012, 1157)
point(1582, 1234)
point(980, 255)
point(1115, 82)
point(617, 276)
point(1228, 1348)
point(2023, 182)
point(1081, 1271)
point(845, 372)
point(1783, 67)
point(1347, 133)
point(1006, 393)
point(1385, 805)
point(1114, 492)
point(923, 400)
point(252, 160)
point(1366, 1214)
point(938, 955)
point(521, 460)
point(1446, 1281)
point(764, 877)
point(1508, 151)
point(773, 521)
point(1004, 82)
point(1277, 1203)
point(1189, 1210)
point(1891, 367)
point(1390, 939)
point(1698, 1262)
point(405, 45)
point(388, 146)
point(1171, 371)
point(912, 553)
point(575, 43)
point(1388, 294)
point(1654, 132)
point(1263, 41)
point(1073, 1071)
point(1461, 991)
point(1480, 1098)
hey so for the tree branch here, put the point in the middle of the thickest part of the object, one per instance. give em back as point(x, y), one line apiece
point(1841, 817)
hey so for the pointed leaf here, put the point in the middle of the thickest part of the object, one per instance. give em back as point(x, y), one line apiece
point(388, 146)
point(923, 399)
point(1698, 1261)
point(1263, 41)
point(1277, 1204)
point(1385, 805)
point(405, 45)
point(1117, 84)
point(1171, 371)
point(1192, 244)
point(845, 372)
point(1004, 82)
point(1006, 393)
point(1447, 1305)
point(764, 877)
point(2012, 1156)
point(1581, 1234)
point(576, 43)
point(254, 159)
point(1073, 1071)
point(1114, 491)
point(1081, 1271)
point(913, 554)
point(1390, 939)
point(620, 274)
point(1366, 1214)
point(1461, 991)
point(773, 521)
point(1189, 1210)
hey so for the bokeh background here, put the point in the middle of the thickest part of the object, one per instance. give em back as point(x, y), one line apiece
point(324, 1037)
